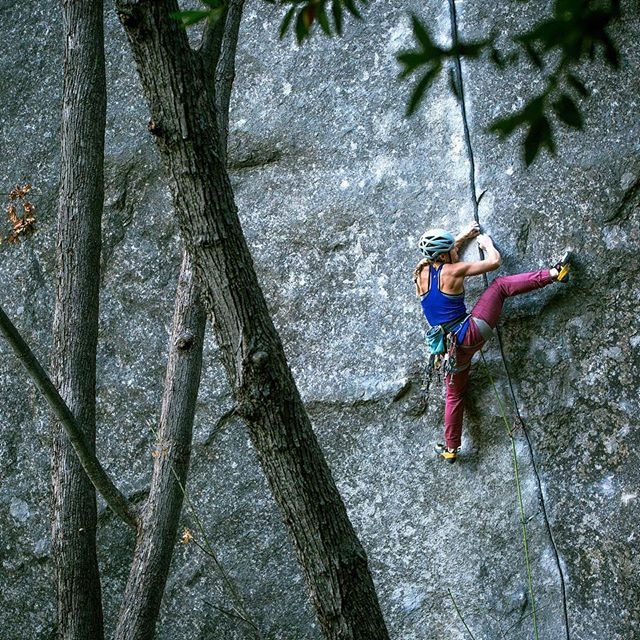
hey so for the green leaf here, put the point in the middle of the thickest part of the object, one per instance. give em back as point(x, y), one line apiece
point(568, 112)
point(421, 88)
point(323, 20)
point(567, 9)
point(308, 12)
point(336, 9)
point(286, 22)
point(302, 29)
point(615, 10)
point(215, 4)
point(352, 9)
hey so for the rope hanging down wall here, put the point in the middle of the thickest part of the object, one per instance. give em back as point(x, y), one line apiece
point(457, 79)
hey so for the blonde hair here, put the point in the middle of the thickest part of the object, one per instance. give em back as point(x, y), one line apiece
point(425, 262)
point(418, 270)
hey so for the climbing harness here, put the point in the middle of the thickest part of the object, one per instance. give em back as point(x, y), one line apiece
point(442, 343)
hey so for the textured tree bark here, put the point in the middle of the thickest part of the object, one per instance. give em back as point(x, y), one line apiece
point(161, 513)
point(157, 531)
point(183, 120)
point(75, 325)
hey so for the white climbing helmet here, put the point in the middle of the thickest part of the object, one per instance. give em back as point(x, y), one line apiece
point(435, 242)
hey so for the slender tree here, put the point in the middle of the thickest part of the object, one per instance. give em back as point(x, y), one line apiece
point(75, 327)
point(185, 123)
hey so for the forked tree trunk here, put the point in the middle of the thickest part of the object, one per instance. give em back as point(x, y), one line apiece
point(76, 317)
point(183, 121)
point(161, 513)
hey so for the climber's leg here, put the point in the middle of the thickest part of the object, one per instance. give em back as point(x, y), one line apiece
point(455, 389)
point(490, 303)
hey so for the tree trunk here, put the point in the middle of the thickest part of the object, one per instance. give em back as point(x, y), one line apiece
point(183, 119)
point(157, 532)
point(76, 317)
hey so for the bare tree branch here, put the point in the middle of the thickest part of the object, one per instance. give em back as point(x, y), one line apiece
point(211, 43)
point(161, 514)
point(96, 473)
point(218, 53)
point(226, 68)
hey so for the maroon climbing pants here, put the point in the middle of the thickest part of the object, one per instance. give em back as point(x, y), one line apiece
point(488, 308)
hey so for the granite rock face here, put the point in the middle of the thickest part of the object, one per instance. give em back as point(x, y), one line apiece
point(334, 187)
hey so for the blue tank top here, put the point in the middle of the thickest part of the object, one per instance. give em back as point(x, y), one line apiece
point(444, 308)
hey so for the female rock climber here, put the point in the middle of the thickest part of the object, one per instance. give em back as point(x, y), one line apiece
point(439, 280)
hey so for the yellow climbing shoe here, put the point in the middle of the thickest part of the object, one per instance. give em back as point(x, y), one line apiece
point(445, 453)
point(563, 267)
